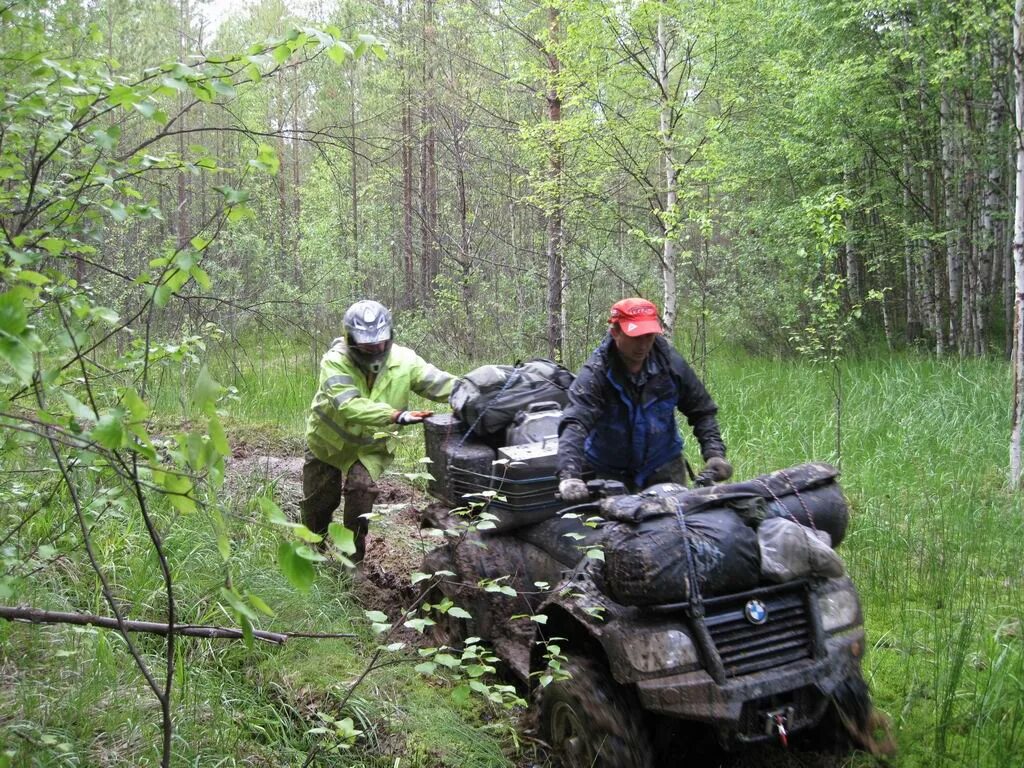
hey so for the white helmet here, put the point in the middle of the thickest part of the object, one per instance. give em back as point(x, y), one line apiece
point(368, 323)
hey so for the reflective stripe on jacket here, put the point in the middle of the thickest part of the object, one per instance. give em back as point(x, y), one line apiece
point(349, 422)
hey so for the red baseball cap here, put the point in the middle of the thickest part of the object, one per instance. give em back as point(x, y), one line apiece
point(636, 317)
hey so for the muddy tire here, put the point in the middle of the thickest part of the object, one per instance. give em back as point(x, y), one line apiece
point(590, 722)
point(446, 630)
point(851, 722)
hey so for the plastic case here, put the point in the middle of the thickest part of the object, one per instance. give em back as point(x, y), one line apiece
point(522, 477)
point(535, 423)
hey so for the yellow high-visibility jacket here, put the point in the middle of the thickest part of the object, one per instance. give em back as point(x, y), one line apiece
point(346, 414)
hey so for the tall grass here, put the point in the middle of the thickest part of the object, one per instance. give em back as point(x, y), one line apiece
point(936, 541)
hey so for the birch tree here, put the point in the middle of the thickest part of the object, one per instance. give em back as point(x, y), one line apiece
point(1018, 253)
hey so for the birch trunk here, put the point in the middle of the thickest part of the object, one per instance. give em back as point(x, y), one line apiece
point(670, 214)
point(554, 216)
point(297, 180)
point(1017, 359)
point(428, 162)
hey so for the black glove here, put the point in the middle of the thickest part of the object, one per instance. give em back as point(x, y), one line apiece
point(410, 417)
point(716, 470)
point(573, 489)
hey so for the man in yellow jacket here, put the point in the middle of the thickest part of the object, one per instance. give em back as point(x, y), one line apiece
point(365, 383)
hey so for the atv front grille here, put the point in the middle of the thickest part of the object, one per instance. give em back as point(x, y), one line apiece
point(746, 647)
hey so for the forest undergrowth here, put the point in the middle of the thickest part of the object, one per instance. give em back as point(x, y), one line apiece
point(935, 547)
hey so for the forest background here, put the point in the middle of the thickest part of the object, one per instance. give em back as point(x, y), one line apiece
point(819, 196)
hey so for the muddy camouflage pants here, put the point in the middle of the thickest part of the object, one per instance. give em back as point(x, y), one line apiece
point(322, 489)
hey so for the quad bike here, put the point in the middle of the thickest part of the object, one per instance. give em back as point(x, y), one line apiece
point(773, 663)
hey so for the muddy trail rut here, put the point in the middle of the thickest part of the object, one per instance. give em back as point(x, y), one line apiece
point(395, 548)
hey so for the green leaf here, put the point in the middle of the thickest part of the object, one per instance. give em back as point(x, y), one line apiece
point(178, 487)
point(121, 95)
point(13, 314)
point(109, 430)
point(303, 533)
point(78, 409)
point(459, 613)
point(239, 213)
point(174, 85)
point(342, 537)
point(146, 108)
point(258, 603)
point(339, 52)
point(217, 436)
point(446, 660)
point(53, 245)
point(231, 195)
point(18, 356)
point(419, 625)
point(426, 668)
point(116, 210)
point(202, 279)
point(266, 159)
point(224, 546)
point(106, 314)
point(223, 87)
point(297, 570)
point(106, 138)
point(237, 603)
point(377, 617)
point(282, 53)
point(206, 391)
point(135, 405)
point(306, 553)
point(271, 511)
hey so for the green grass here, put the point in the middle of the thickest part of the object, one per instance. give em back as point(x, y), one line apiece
point(935, 547)
point(936, 540)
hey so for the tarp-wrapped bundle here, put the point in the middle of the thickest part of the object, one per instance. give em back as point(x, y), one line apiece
point(663, 556)
point(668, 542)
point(793, 551)
point(808, 494)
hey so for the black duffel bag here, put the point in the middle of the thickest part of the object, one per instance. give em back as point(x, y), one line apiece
point(488, 398)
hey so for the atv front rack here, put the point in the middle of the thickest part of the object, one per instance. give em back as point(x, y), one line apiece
point(754, 631)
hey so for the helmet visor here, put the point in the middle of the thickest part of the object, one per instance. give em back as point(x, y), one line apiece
point(360, 333)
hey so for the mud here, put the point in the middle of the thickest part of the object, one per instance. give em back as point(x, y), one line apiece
point(396, 545)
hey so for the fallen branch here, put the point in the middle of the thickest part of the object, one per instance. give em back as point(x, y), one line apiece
point(38, 616)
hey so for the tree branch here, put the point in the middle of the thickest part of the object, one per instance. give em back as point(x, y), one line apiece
point(39, 616)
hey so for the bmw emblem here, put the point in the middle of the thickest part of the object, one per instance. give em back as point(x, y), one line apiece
point(756, 612)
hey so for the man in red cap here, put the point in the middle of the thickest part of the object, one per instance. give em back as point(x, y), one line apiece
point(620, 421)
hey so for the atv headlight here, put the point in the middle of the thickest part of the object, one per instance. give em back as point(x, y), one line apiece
point(661, 650)
point(839, 605)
